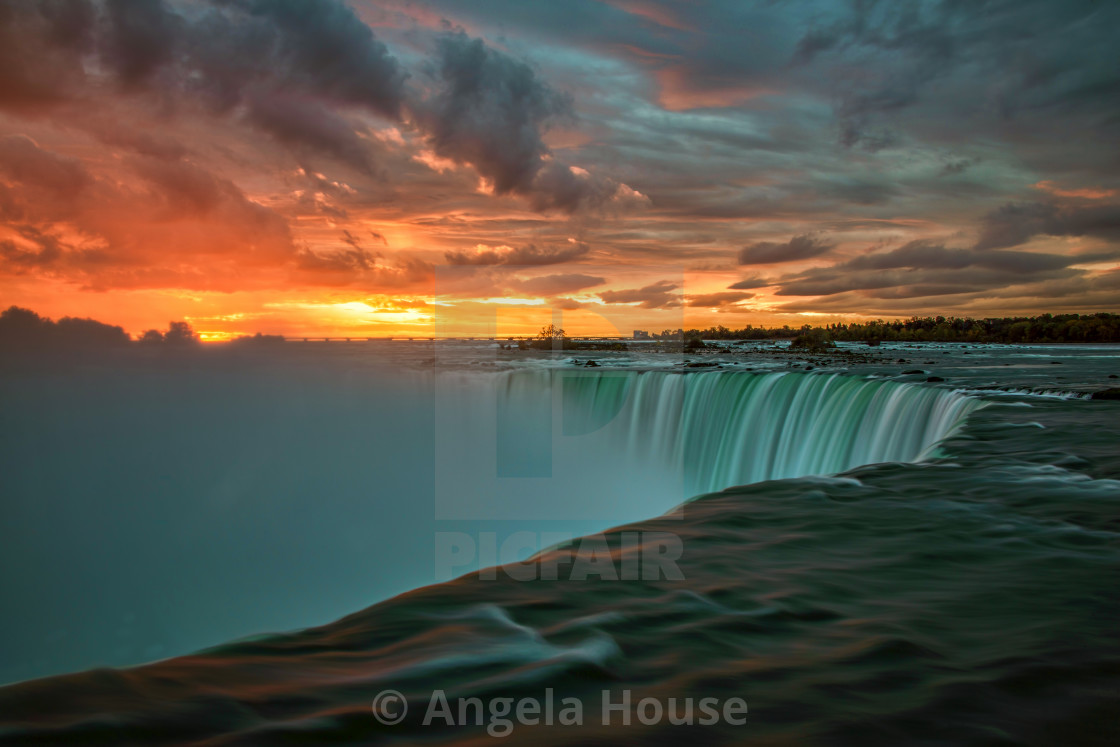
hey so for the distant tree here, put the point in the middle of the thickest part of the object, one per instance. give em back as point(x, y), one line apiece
point(550, 337)
point(151, 337)
point(694, 341)
point(23, 328)
point(1101, 327)
point(551, 332)
point(258, 339)
point(179, 333)
point(812, 339)
point(73, 332)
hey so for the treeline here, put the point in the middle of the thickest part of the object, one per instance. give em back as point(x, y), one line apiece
point(24, 329)
point(1045, 328)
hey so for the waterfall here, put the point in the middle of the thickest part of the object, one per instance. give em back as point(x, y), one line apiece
point(616, 445)
point(728, 429)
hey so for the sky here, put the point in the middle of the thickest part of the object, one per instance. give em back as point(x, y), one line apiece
point(436, 167)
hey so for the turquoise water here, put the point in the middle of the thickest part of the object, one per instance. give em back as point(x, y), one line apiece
point(732, 428)
point(957, 588)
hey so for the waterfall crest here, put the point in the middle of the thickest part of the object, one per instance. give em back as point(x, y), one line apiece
point(728, 429)
point(611, 445)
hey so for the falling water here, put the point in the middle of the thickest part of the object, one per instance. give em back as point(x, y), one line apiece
point(725, 429)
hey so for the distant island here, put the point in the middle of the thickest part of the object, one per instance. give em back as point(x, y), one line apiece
point(22, 328)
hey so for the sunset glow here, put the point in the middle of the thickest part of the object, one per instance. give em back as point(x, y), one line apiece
point(204, 162)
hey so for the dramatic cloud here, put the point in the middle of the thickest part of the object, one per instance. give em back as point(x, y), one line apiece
point(656, 296)
point(41, 48)
point(489, 111)
point(74, 225)
point(716, 300)
point(1017, 223)
point(797, 248)
point(553, 285)
point(141, 37)
point(750, 283)
point(923, 268)
point(238, 154)
point(359, 268)
point(302, 124)
point(530, 255)
point(282, 61)
point(31, 167)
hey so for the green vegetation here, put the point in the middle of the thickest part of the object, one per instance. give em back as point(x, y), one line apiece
point(813, 339)
point(24, 329)
point(257, 339)
point(1045, 328)
point(177, 334)
point(549, 338)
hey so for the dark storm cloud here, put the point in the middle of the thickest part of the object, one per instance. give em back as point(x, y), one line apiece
point(488, 111)
point(142, 35)
point(154, 145)
point(356, 266)
point(292, 65)
point(923, 268)
point(22, 160)
point(184, 190)
point(292, 69)
point(556, 186)
point(750, 283)
point(352, 260)
point(913, 282)
point(302, 124)
point(325, 48)
point(42, 251)
point(530, 255)
point(716, 300)
point(47, 251)
point(1081, 287)
point(959, 84)
point(1017, 223)
point(552, 285)
point(769, 252)
point(958, 166)
point(1037, 56)
point(321, 50)
point(355, 242)
point(659, 295)
point(929, 255)
point(1075, 293)
point(41, 44)
point(288, 61)
point(860, 190)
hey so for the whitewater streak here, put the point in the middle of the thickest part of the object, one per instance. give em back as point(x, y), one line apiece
point(724, 429)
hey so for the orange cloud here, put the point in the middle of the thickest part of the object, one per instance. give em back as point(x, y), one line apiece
point(678, 92)
point(653, 12)
point(1087, 193)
